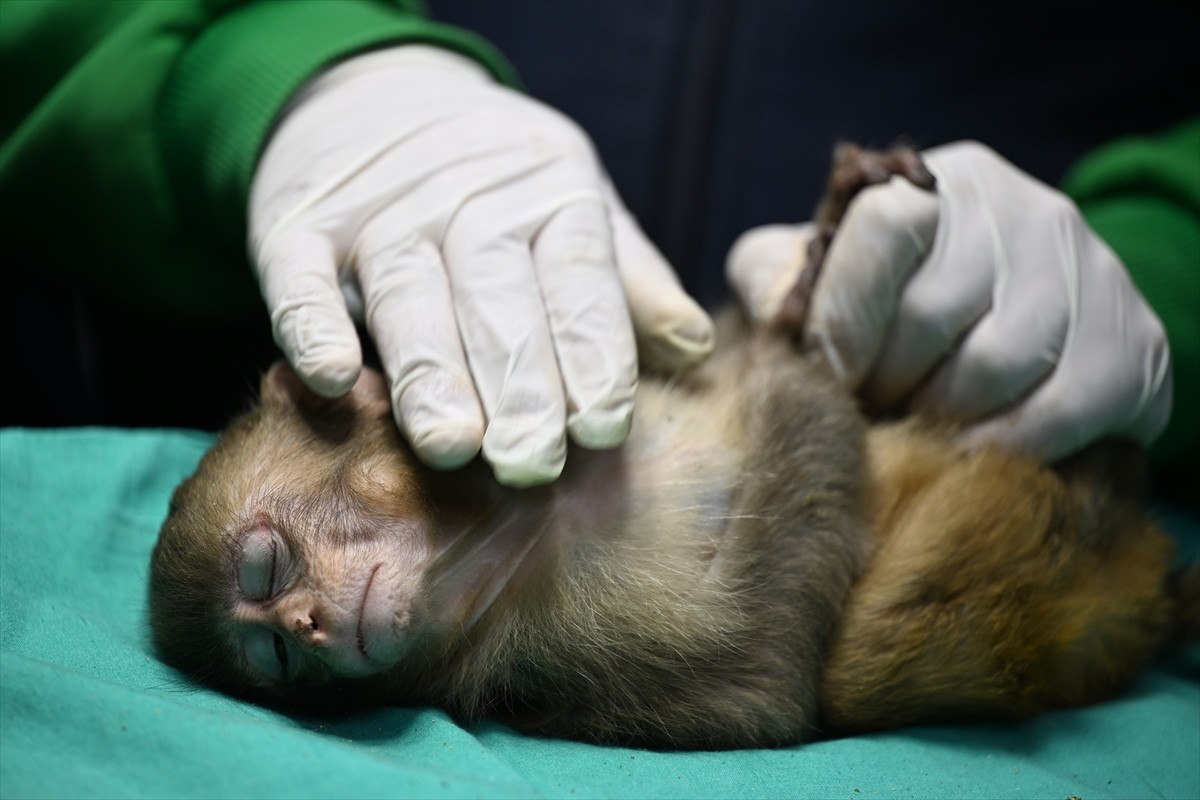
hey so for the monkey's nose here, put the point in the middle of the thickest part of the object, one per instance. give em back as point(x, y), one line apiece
point(306, 629)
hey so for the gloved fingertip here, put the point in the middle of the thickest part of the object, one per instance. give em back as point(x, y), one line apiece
point(685, 342)
point(330, 372)
point(602, 429)
point(448, 445)
point(521, 474)
point(693, 337)
point(520, 457)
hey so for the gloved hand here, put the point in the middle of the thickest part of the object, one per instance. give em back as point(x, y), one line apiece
point(990, 301)
point(478, 234)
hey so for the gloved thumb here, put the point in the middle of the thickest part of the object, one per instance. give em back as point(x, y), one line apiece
point(673, 331)
point(764, 264)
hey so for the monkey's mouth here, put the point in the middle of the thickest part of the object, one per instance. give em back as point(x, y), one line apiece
point(359, 638)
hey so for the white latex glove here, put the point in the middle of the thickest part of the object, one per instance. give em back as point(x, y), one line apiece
point(990, 301)
point(478, 234)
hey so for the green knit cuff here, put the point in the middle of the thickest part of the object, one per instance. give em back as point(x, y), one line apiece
point(1166, 166)
point(230, 83)
point(1142, 196)
point(1160, 244)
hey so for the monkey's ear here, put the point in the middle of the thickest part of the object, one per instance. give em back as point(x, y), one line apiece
point(282, 388)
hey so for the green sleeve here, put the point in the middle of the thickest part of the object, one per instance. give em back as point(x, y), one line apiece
point(1143, 197)
point(132, 130)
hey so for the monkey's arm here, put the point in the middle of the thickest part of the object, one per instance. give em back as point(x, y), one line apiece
point(854, 169)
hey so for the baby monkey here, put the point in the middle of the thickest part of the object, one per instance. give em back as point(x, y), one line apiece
point(755, 566)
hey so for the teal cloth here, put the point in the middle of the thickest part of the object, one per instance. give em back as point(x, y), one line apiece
point(87, 711)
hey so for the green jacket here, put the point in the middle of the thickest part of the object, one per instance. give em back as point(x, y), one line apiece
point(130, 131)
point(1142, 196)
point(131, 128)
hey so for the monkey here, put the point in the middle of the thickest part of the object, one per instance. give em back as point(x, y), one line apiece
point(675, 591)
point(757, 565)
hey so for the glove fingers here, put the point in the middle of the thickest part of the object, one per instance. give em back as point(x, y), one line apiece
point(1053, 281)
point(1091, 394)
point(410, 314)
point(592, 333)
point(926, 327)
point(881, 241)
point(298, 275)
point(503, 325)
point(673, 331)
point(1012, 348)
point(764, 264)
point(1054, 421)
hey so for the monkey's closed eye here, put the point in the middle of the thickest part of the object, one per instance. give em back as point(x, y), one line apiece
point(261, 563)
point(270, 656)
point(281, 656)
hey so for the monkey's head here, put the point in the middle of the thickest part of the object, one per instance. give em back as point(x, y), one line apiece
point(311, 548)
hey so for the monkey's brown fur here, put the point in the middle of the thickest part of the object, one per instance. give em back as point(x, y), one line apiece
point(998, 587)
point(693, 588)
point(678, 592)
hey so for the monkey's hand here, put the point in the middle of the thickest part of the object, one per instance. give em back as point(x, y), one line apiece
point(499, 275)
point(854, 169)
point(990, 302)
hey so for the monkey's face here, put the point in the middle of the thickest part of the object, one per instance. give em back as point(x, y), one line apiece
point(306, 548)
point(330, 591)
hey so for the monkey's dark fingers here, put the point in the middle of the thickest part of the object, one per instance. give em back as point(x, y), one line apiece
point(793, 312)
point(853, 170)
point(907, 162)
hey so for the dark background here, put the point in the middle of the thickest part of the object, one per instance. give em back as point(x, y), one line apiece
point(712, 117)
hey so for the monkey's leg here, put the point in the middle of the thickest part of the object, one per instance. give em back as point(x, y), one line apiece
point(999, 588)
point(853, 170)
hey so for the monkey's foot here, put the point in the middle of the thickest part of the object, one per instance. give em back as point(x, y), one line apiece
point(854, 169)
